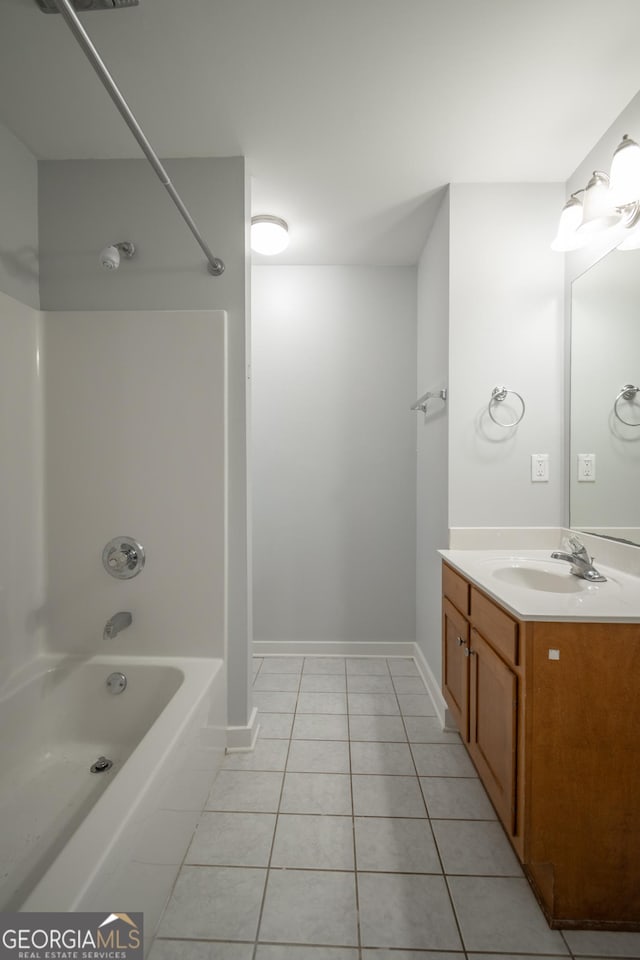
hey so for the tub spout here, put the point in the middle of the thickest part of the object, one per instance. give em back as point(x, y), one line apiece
point(119, 621)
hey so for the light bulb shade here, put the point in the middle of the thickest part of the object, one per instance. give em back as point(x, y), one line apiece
point(269, 235)
point(568, 237)
point(599, 212)
point(625, 172)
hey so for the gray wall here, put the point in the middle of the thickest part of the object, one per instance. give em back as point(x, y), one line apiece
point(432, 440)
point(86, 204)
point(506, 327)
point(18, 220)
point(334, 376)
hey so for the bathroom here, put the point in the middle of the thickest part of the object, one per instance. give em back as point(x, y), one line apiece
point(319, 525)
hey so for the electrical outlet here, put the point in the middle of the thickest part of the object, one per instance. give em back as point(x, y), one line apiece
point(539, 467)
point(586, 467)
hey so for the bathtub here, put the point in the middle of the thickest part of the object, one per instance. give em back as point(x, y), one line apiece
point(71, 839)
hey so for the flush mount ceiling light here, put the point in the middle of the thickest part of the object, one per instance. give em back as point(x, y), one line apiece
point(269, 235)
point(609, 202)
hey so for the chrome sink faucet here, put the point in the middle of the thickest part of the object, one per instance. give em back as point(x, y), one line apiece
point(581, 563)
point(116, 623)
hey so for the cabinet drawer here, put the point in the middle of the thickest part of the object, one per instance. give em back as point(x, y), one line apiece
point(495, 625)
point(456, 589)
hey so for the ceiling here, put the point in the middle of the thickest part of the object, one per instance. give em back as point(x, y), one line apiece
point(353, 114)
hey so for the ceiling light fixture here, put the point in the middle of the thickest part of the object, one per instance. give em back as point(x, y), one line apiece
point(269, 235)
point(609, 202)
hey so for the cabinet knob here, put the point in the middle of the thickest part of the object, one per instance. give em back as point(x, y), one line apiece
point(469, 653)
point(461, 642)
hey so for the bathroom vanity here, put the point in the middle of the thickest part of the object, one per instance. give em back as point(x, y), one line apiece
point(542, 678)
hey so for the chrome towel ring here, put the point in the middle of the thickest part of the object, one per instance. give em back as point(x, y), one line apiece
point(628, 392)
point(498, 394)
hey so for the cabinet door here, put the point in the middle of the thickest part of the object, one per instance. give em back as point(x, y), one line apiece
point(455, 665)
point(493, 726)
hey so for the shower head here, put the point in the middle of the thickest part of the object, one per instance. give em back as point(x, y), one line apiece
point(82, 6)
point(110, 255)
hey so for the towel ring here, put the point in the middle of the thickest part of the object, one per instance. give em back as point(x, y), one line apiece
point(498, 394)
point(628, 392)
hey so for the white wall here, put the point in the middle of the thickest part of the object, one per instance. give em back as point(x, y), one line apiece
point(506, 329)
point(19, 220)
point(432, 436)
point(334, 478)
point(21, 488)
point(135, 444)
point(85, 204)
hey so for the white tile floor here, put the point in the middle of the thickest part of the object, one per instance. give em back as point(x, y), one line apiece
point(356, 830)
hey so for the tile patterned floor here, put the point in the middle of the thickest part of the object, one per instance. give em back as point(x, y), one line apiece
point(356, 830)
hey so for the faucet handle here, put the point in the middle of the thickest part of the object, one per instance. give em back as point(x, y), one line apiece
point(577, 547)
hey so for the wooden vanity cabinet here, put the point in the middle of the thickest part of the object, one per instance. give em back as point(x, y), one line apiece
point(481, 688)
point(550, 715)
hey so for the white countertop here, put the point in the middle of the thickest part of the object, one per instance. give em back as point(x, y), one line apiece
point(616, 600)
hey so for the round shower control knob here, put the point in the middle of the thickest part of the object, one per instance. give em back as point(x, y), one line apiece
point(123, 558)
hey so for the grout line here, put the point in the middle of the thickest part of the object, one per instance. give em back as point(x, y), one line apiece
point(275, 827)
point(433, 837)
point(341, 870)
point(353, 825)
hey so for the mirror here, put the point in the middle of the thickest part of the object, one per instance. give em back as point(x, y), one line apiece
point(605, 418)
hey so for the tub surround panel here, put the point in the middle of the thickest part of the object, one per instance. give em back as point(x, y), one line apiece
point(22, 591)
point(135, 445)
point(84, 204)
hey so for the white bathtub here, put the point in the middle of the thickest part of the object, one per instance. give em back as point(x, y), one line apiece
point(75, 840)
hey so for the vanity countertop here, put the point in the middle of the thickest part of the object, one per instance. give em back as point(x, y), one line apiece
point(532, 586)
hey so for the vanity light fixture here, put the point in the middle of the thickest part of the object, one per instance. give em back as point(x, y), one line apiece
point(609, 202)
point(269, 235)
point(567, 237)
point(625, 171)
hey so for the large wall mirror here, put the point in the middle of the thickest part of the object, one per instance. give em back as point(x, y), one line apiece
point(605, 417)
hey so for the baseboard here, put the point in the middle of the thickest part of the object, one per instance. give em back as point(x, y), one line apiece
point(333, 648)
point(433, 687)
point(243, 739)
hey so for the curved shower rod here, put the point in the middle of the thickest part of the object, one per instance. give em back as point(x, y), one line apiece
point(216, 266)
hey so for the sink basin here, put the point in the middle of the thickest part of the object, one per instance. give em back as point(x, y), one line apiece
point(548, 576)
point(540, 578)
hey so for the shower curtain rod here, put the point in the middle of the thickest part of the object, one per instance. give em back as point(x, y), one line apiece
point(216, 266)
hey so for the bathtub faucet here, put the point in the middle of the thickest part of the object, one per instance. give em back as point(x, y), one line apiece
point(119, 621)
